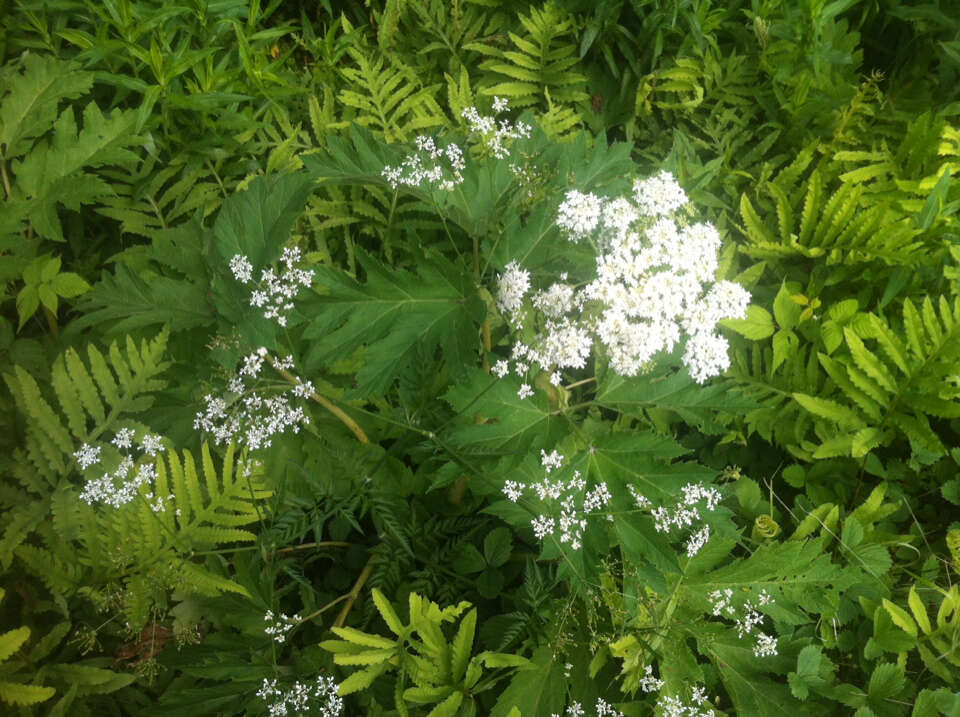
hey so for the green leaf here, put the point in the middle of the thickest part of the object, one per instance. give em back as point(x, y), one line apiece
point(363, 638)
point(29, 106)
point(539, 691)
point(513, 423)
point(830, 410)
point(396, 314)
point(11, 641)
point(449, 707)
point(17, 694)
point(497, 547)
point(28, 301)
point(256, 222)
point(362, 679)
point(463, 645)
point(468, 560)
point(886, 682)
point(919, 610)
point(69, 285)
point(900, 618)
point(388, 613)
point(758, 324)
point(785, 309)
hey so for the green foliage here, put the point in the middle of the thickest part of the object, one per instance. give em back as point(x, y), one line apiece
point(540, 67)
point(438, 670)
point(394, 314)
point(818, 138)
point(54, 171)
point(890, 393)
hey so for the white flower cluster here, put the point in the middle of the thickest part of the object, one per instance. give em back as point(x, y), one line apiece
point(654, 285)
point(765, 645)
point(571, 522)
point(280, 625)
point(441, 167)
point(277, 291)
point(673, 706)
point(320, 699)
point(494, 132)
point(603, 710)
point(123, 485)
point(685, 514)
point(248, 417)
point(649, 683)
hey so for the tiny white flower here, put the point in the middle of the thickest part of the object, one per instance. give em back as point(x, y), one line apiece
point(87, 456)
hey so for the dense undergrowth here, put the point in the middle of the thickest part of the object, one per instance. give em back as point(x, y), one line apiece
point(473, 357)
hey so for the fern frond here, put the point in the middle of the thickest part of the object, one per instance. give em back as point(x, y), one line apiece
point(891, 392)
point(542, 61)
point(78, 399)
point(389, 97)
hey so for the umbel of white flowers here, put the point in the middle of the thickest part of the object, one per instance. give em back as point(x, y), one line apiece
point(654, 285)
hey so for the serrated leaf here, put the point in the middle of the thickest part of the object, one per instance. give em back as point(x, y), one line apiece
point(388, 613)
point(396, 314)
point(363, 638)
point(900, 617)
point(758, 324)
point(17, 694)
point(11, 641)
point(463, 645)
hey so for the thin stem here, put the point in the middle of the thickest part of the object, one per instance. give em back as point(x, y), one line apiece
point(580, 383)
point(6, 179)
point(327, 404)
point(355, 591)
point(323, 544)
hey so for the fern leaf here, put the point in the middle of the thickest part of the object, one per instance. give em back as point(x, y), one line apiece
point(913, 326)
point(85, 388)
point(69, 398)
point(868, 362)
point(811, 208)
point(15, 693)
point(194, 494)
point(830, 410)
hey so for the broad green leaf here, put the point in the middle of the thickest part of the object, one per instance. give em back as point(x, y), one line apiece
point(758, 324)
point(497, 546)
point(28, 108)
point(69, 285)
point(534, 692)
point(395, 314)
point(511, 424)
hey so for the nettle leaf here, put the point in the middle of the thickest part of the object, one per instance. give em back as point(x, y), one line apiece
point(394, 313)
point(538, 691)
point(697, 405)
point(28, 107)
point(257, 221)
point(509, 424)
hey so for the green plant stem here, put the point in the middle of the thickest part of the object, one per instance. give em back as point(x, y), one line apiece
point(52, 322)
point(6, 179)
point(355, 591)
point(327, 404)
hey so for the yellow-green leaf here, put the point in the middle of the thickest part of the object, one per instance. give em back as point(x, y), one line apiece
point(389, 615)
point(363, 638)
point(900, 618)
point(17, 694)
point(919, 610)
